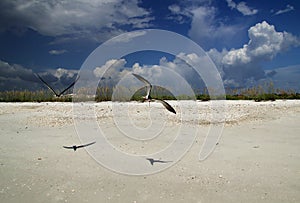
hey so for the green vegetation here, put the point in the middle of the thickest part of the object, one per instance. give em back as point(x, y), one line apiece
point(31, 96)
point(264, 92)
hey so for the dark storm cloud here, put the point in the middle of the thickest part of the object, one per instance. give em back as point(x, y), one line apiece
point(285, 78)
point(17, 77)
point(69, 19)
point(16, 71)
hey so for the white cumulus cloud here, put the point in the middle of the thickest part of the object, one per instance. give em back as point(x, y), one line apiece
point(244, 64)
point(111, 72)
point(265, 43)
point(177, 74)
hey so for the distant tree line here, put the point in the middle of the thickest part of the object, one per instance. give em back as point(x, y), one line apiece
point(265, 92)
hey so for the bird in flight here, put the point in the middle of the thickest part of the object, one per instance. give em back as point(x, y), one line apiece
point(152, 161)
point(74, 147)
point(56, 94)
point(148, 96)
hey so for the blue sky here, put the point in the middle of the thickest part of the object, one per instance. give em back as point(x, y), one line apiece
point(244, 38)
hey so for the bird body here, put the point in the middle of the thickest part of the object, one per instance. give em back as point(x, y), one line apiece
point(152, 161)
point(75, 147)
point(148, 94)
point(149, 86)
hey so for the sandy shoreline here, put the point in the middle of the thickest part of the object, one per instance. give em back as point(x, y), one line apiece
point(256, 160)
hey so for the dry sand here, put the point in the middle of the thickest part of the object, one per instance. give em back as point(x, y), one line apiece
point(256, 160)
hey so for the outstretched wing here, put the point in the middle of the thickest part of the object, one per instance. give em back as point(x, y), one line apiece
point(166, 105)
point(41, 79)
point(73, 83)
point(149, 86)
point(85, 145)
point(163, 161)
point(68, 147)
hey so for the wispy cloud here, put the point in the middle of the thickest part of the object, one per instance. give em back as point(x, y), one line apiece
point(242, 8)
point(207, 29)
point(179, 14)
point(126, 37)
point(287, 9)
point(57, 52)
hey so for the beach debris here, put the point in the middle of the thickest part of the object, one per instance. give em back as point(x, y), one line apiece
point(152, 161)
point(192, 177)
point(74, 147)
point(148, 97)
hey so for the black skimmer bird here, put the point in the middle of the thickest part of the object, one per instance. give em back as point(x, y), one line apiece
point(148, 96)
point(152, 161)
point(56, 94)
point(80, 146)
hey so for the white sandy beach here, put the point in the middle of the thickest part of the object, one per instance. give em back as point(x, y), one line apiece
point(257, 158)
